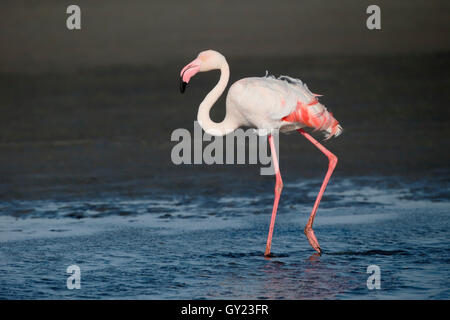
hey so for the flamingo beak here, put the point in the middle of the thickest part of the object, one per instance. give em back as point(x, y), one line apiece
point(188, 72)
point(182, 85)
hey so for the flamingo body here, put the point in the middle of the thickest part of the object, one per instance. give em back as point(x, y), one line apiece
point(284, 104)
point(267, 104)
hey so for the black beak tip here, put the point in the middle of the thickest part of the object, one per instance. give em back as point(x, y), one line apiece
point(182, 85)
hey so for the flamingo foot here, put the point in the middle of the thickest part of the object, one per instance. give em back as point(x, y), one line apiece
point(309, 232)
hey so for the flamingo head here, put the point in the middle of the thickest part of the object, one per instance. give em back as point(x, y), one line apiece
point(205, 61)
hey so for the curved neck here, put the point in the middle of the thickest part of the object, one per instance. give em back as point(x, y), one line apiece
point(228, 124)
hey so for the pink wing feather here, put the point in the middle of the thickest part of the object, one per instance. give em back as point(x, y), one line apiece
point(301, 105)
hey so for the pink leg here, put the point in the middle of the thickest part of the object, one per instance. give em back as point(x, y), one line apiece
point(278, 188)
point(331, 165)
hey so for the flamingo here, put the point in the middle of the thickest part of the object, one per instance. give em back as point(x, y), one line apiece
point(267, 104)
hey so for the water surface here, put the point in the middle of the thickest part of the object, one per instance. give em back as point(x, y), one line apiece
point(205, 245)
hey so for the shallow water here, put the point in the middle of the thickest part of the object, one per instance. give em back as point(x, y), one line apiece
point(209, 245)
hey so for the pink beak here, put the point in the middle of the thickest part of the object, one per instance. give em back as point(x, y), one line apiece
point(188, 72)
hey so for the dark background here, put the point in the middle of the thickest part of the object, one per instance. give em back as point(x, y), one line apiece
point(34, 37)
point(92, 110)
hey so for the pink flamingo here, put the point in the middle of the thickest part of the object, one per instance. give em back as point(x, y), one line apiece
point(267, 104)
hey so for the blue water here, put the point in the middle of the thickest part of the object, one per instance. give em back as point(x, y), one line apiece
point(209, 245)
